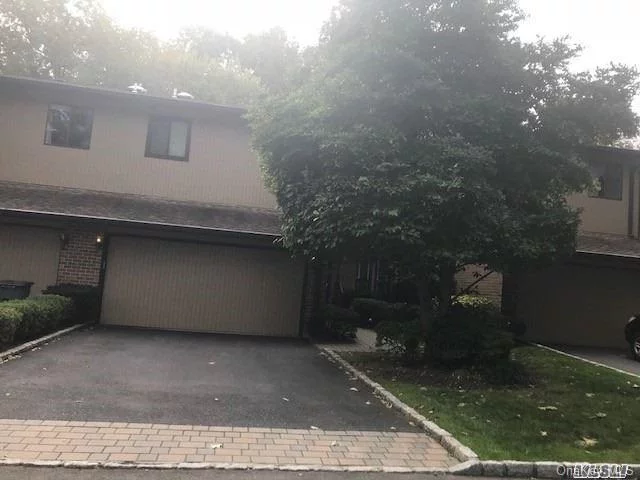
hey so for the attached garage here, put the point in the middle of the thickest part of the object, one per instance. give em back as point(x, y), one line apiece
point(29, 254)
point(580, 304)
point(200, 287)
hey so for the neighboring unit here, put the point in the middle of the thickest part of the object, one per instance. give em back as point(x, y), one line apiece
point(159, 201)
point(588, 299)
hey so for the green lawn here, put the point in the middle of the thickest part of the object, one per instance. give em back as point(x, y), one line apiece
point(571, 411)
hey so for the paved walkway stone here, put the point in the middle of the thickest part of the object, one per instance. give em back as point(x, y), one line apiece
point(28, 440)
point(365, 341)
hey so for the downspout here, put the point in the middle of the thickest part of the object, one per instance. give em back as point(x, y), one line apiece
point(632, 201)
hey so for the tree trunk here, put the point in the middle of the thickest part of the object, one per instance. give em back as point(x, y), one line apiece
point(328, 284)
point(447, 282)
point(425, 306)
point(336, 288)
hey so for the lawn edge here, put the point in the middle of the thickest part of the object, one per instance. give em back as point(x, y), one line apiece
point(582, 359)
point(447, 440)
point(12, 352)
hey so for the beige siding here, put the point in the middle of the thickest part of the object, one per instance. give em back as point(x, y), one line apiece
point(603, 215)
point(491, 286)
point(204, 288)
point(579, 305)
point(29, 254)
point(221, 167)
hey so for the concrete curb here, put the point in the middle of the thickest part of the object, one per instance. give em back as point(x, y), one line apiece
point(214, 466)
point(586, 360)
point(444, 438)
point(12, 352)
point(513, 469)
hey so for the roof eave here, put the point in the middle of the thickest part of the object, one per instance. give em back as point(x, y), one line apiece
point(138, 223)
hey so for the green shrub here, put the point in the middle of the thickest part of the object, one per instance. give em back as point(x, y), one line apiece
point(371, 311)
point(334, 322)
point(9, 322)
point(86, 300)
point(473, 331)
point(399, 329)
point(34, 316)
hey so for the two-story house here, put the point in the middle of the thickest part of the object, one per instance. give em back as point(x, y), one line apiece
point(158, 201)
point(588, 299)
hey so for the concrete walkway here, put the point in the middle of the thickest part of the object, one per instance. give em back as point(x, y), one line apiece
point(365, 341)
point(30, 440)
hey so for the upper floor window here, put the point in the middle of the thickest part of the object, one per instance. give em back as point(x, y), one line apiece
point(168, 138)
point(68, 126)
point(607, 179)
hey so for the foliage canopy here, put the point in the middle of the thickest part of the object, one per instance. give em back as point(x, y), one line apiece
point(429, 135)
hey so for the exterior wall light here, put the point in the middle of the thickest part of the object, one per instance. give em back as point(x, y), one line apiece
point(100, 241)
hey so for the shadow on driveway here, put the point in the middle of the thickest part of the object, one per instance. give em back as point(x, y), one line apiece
point(139, 376)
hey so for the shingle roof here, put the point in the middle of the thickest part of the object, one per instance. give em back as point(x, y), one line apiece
point(12, 82)
point(26, 198)
point(608, 244)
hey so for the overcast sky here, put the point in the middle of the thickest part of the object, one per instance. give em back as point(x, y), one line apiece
point(606, 28)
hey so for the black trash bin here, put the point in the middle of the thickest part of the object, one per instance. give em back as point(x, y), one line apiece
point(12, 289)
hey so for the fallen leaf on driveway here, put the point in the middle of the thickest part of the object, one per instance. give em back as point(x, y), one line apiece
point(353, 389)
point(215, 446)
point(285, 399)
point(548, 407)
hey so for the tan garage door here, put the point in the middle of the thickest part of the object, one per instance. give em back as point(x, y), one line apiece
point(579, 304)
point(29, 254)
point(203, 288)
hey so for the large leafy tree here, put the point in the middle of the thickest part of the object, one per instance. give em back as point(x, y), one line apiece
point(429, 135)
point(75, 41)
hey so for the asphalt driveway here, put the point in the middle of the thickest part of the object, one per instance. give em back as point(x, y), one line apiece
point(615, 358)
point(177, 378)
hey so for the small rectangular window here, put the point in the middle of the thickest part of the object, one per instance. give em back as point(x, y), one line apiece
point(168, 138)
point(607, 179)
point(68, 126)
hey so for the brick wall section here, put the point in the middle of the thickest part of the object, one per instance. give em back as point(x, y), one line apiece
point(80, 259)
point(490, 287)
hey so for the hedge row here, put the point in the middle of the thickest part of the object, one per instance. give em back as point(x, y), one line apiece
point(22, 320)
